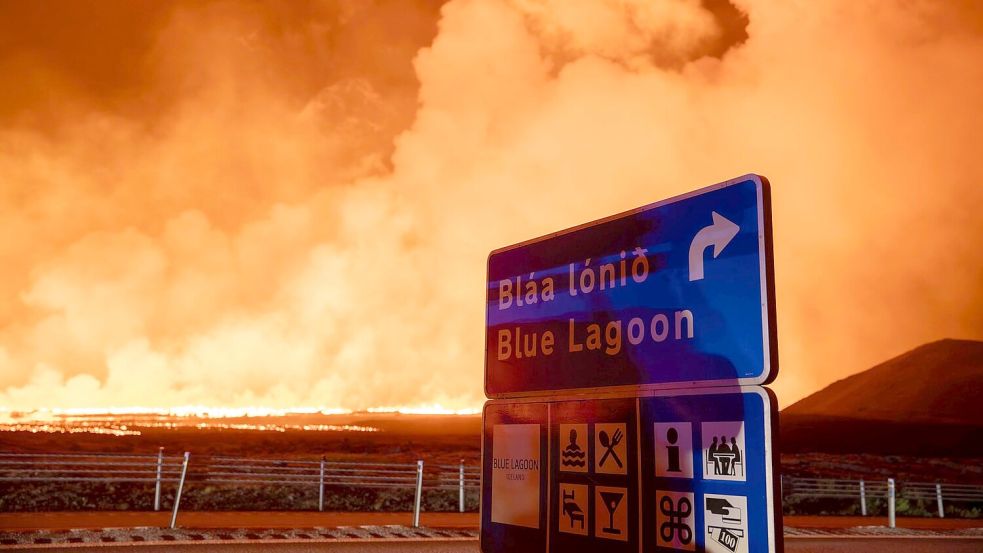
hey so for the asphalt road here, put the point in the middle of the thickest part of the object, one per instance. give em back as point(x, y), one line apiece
point(798, 545)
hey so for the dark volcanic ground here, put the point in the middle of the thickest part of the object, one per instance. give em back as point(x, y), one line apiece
point(449, 439)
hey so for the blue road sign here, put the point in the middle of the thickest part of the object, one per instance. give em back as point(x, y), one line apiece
point(673, 470)
point(675, 294)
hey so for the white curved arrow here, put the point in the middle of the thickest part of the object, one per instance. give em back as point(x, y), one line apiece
point(718, 235)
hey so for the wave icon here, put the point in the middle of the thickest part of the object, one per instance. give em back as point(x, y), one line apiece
point(573, 458)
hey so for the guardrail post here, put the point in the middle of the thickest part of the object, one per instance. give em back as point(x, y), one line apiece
point(863, 498)
point(460, 498)
point(320, 495)
point(180, 489)
point(890, 503)
point(938, 498)
point(419, 494)
point(160, 466)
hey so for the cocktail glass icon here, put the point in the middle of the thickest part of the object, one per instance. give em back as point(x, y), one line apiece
point(611, 502)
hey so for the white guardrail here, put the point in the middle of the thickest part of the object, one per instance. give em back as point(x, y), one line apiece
point(888, 489)
point(178, 470)
point(163, 469)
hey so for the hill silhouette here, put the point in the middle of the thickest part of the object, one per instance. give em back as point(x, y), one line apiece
point(928, 401)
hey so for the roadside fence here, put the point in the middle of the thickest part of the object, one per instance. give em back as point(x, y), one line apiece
point(180, 471)
point(153, 469)
point(888, 490)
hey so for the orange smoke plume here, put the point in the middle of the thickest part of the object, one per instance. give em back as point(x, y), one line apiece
point(245, 203)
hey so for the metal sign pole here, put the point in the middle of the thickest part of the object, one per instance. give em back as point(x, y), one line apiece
point(938, 499)
point(180, 489)
point(890, 503)
point(160, 463)
point(460, 499)
point(320, 495)
point(863, 498)
point(419, 494)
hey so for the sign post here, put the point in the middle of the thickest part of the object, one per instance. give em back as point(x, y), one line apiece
point(625, 359)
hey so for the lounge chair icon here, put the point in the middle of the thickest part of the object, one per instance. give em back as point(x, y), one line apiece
point(572, 510)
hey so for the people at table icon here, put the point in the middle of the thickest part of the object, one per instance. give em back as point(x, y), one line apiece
point(725, 457)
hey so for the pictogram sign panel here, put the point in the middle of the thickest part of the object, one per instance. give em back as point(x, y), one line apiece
point(684, 470)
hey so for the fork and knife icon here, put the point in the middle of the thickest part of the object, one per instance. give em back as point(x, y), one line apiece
point(609, 443)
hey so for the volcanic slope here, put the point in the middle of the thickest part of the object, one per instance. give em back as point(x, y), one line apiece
point(928, 401)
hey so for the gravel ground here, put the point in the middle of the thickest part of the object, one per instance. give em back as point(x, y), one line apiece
point(14, 540)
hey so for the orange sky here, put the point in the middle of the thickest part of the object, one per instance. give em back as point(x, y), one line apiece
point(290, 203)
